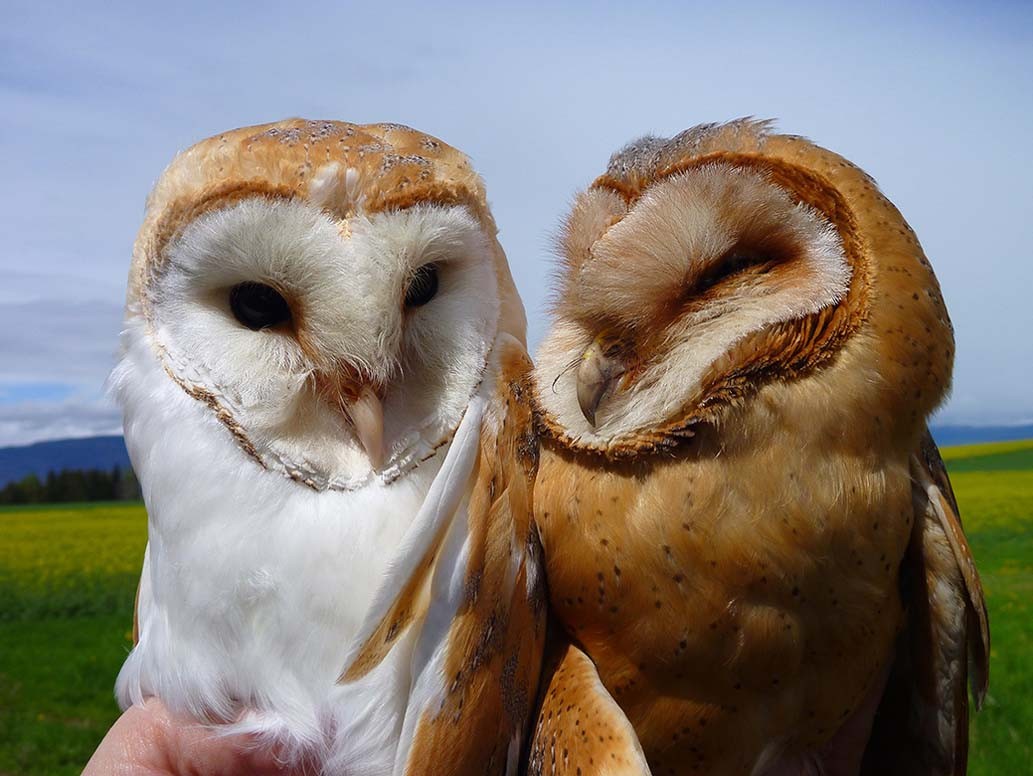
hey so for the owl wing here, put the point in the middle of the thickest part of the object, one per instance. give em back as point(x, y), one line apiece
point(580, 729)
point(922, 723)
point(478, 599)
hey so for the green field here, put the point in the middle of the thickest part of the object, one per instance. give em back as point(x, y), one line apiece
point(68, 574)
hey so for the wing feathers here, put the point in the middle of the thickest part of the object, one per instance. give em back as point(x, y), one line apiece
point(580, 728)
point(473, 700)
point(922, 724)
point(392, 607)
point(931, 469)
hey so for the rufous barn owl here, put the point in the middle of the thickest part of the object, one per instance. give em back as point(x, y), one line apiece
point(749, 537)
point(324, 387)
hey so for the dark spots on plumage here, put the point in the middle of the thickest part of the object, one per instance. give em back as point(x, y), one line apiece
point(678, 578)
point(658, 604)
point(472, 586)
point(604, 542)
point(796, 592)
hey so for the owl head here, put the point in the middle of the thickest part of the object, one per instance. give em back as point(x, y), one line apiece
point(699, 271)
point(330, 291)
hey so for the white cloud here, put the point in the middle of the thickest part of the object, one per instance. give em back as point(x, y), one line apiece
point(28, 422)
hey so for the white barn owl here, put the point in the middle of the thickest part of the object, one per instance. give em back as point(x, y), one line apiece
point(322, 378)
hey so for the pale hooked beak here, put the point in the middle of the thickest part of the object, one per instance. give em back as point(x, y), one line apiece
point(366, 413)
point(595, 374)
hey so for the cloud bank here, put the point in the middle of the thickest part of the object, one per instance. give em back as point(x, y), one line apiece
point(932, 100)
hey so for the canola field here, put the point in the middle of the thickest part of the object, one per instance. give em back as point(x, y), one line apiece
point(68, 576)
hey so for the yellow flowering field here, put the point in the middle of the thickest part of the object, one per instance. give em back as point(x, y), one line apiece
point(68, 576)
point(64, 560)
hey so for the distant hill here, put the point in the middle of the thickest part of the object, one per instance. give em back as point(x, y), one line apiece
point(946, 436)
point(105, 452)
point(102, 452)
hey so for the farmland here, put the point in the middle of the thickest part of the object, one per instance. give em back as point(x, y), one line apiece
point(68, 575)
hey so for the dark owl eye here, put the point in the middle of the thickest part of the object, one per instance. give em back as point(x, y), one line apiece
point(258, 306)
point(732, 264)
point(422, 287)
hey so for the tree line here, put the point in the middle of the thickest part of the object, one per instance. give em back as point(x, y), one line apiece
point(116, 484)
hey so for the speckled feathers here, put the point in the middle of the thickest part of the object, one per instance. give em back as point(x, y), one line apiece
point(725, 541)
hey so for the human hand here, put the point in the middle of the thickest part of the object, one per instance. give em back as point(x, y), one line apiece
point(148, 740)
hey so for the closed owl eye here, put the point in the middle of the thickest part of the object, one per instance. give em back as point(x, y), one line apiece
point(258, 306)
point(734, 263)
point(422, 286)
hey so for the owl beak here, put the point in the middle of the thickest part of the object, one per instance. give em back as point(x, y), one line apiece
point(366, 413)
point(595, 374)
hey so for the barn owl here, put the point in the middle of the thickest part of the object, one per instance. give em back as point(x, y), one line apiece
point(324, 385)
point(750, 540)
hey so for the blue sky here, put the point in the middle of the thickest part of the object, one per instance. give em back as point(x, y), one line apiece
point(95, 98)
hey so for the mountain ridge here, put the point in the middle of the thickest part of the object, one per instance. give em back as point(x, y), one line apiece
point(106, 452)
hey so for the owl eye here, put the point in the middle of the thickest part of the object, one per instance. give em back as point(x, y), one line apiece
point(732, 264)
point(258, 306)
point(422, 287)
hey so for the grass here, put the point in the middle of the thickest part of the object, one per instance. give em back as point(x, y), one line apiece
point(997, 506)
point(68, 576)
point(67, 581)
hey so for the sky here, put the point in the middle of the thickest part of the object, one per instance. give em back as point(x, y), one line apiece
point(932, 99)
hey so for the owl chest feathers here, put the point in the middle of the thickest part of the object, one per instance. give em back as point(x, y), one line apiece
point(255, 589)
point(709, 588)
